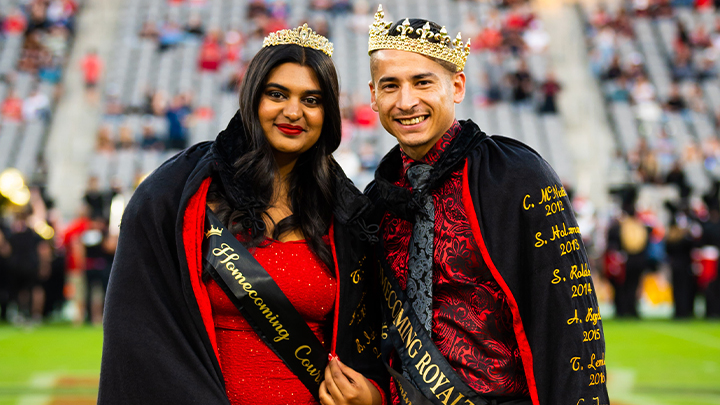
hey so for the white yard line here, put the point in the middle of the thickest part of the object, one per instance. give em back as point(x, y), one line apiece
point(40, 382)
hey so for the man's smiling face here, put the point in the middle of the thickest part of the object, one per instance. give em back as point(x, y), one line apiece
point(415, 97)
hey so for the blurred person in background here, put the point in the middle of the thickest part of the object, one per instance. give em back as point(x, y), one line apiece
point(33, 52)
point(11, 107)
point(169, 35)
point(709, 280)
point(55, 284)
point(150, 141)
point(36, 106)
point(29, 266)
point(194, 26)
point(211, 52)
point(276, 190)
point(75, 262)
point(629, 238)
point(92, 69)
point(126, 138)
point(549, 90)
point(14, 22)
point(178, 115)
point(679, 244)
point(99, 251)
point(96, 200)
point(5, 252)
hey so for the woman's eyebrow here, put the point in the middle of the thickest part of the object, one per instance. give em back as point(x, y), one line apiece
point(283, 88)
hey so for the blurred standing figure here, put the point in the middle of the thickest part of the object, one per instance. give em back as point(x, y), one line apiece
point(549, 90)
point(36, 106)
point(177, 116)
point(99, 251)
point(711, 237)
point(630, 237)
point(5, 252)
point(29, 267)
point(75, 261)
point(96, 200)
point(679, 244)
point(11, 107)
point(92, 68)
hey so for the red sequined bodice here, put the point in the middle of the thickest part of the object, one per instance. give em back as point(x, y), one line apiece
point(253, 373)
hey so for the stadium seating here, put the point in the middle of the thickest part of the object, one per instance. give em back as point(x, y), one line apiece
point(653, 46)
point(140, 69)
point(22, 143)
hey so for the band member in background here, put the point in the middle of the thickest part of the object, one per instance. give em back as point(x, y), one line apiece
point(174, 333)
point(487, 291)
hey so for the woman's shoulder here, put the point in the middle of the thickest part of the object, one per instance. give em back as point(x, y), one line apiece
point(162, 190)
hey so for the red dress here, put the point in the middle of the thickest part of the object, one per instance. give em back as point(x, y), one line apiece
point(253, 373)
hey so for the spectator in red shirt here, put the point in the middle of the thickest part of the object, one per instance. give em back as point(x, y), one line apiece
point(489, 38)
point(549, 90)
point(75, 262)
point(11, 107)
point(211, 53)
point(92, 67)
point(14, 23)
point(233, 46)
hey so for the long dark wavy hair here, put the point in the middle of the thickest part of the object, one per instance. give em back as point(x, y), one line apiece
point(312, 180)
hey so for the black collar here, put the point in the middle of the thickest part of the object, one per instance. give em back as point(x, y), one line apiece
point(401, 201)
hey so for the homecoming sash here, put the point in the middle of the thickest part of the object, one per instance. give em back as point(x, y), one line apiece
point(434, 381)
point(263, 304)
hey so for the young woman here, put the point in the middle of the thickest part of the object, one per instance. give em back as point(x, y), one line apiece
point(172, 334)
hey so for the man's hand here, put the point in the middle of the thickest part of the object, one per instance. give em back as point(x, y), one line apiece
point(345, 386)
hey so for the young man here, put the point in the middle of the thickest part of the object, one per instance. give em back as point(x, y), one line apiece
point(488, 297)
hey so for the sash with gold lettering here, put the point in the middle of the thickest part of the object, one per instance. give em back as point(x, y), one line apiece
point(434, 381)
point(263, 304)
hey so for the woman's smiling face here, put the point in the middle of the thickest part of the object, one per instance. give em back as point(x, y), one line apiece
point(291, 111)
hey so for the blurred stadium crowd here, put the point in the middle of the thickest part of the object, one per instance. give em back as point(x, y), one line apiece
point(173, 77)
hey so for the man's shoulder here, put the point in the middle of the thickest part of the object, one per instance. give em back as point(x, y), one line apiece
point(509, 159)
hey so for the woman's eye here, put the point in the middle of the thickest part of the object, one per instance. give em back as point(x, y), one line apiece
point(312, 100)
point(275, 94)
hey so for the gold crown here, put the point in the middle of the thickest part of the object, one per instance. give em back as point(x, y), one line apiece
point(380, 39)
point(213, 232)
point(303, 36)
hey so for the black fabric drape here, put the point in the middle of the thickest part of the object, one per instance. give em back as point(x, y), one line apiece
point(156, 349)
point(508, 185)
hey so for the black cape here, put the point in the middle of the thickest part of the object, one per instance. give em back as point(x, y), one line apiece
point(527, 233)
point(156, 347)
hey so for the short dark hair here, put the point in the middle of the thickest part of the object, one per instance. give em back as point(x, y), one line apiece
point(415, 24)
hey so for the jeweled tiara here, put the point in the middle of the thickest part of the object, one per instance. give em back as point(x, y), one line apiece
point(303, 36)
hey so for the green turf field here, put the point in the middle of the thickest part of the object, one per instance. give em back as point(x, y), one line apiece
point(49, 365)
point(663, 362)
point(649, 363)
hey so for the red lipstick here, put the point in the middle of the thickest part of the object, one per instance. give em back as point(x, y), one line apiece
point(288, 129)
